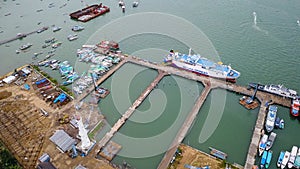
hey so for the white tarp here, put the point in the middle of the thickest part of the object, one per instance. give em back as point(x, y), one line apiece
point(9, 79)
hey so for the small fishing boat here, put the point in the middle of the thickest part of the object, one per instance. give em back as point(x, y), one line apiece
point(121, 3)
point(281, 125)
point(56, 45)
point(26, 46)
point(263, 159)
point(49, 55)
point(45, 45)
point(77, 28)
point(285, 159)
point(56, 28)
point(135, 4)
point(280, 158)
point(50, 40)
point(18, 51)
point(269, 158)
point(270, 141)
point(262, 144)
point(277, 122)
point(72, 37)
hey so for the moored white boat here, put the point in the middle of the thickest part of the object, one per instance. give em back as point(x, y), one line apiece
point(270, 141)
point(262, 144)
point(285, 159)
point(292, 157)
point(271, 116)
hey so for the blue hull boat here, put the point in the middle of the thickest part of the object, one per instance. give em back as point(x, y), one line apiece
point(269, 157)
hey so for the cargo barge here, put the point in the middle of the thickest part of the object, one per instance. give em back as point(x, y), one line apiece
point(89, 12)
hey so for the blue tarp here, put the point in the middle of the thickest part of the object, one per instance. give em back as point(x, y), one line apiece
point(61, 98)
point(26, 86)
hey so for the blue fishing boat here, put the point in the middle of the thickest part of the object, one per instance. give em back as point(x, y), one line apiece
point(269, 157)
point(263, 159)
point(277, 122)
point(280, 158)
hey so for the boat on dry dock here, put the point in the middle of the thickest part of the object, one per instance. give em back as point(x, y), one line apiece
point(89, 12)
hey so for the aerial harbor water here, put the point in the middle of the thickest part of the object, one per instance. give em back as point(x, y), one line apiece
point(260, 39)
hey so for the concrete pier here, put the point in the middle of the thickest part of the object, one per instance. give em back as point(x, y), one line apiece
point(21, 36)
point(184, 129)
point(130, 111)
point(257, 132)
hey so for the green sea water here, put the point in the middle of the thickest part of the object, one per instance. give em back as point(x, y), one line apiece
point(265, 52)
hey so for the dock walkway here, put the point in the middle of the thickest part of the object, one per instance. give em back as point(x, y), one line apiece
point(130, 111)
point(252, 151)
point(184, 129)
point(21, 36)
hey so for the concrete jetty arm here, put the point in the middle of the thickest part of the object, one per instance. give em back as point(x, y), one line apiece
point(184, 129)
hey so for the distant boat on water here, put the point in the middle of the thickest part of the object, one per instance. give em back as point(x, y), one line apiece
point(135, 4)
point(56, 28)
point(77, 28)
point(26, 46)
point(72, 37)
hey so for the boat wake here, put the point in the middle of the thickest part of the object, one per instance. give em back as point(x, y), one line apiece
point(255, 24)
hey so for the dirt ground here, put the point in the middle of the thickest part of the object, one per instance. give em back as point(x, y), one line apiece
point(25, 131)
point(193, 157)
